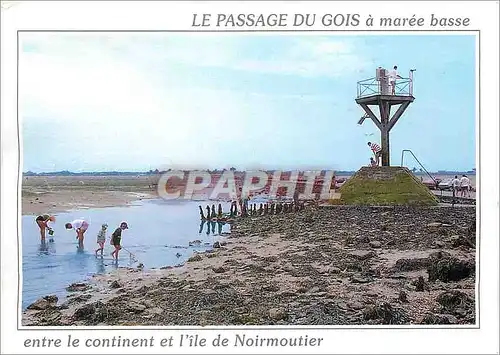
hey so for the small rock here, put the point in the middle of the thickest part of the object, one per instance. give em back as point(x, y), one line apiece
point(208, 292)
point(439, 319)
point(314, 290)
point(277, 314)
point(219, 270)
point(271, 258)
point(385, 314)
point(420, 284)
point(375, 244)
point(342, 305)
point(77, 287)
point(115, 284)
point(78, 299)
point(363, 254)
point(271, 288)
point(363, 239)
point(439, 244)
point(86, 311)
point(403, 297)
point(359, 279)
point(356, 305)
point(216, 245)
point(50, 317)
point(460, 312)
point(334, 270)
point(136, 307)
point(451, 300)
point(301, 290)
point(44, 303)
point(155, 310)
point(194, 258)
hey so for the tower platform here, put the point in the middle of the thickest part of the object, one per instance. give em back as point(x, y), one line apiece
point(391, 99)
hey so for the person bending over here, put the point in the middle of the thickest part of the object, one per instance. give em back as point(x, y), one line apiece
point(80, 226)
point(43, 223)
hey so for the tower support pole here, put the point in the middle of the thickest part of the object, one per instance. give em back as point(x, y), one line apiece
point(385, 110)
point(385, 123)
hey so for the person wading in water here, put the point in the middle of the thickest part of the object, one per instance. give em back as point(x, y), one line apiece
point(43, 223)
point(80, 226)
point(116, 239)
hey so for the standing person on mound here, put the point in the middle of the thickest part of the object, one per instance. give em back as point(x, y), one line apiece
point(116, 239)
point(43, 223)
point(80, 226)
point(377, 151)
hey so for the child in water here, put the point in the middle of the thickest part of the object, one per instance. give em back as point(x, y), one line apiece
point(116, 239)
point(101, 238)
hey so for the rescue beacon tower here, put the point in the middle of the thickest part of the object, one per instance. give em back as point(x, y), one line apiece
point(379, 92)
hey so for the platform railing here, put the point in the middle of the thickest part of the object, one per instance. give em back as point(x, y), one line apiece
point(419, 163)
point(370, 87)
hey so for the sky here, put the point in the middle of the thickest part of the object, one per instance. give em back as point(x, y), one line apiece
point(141, 101)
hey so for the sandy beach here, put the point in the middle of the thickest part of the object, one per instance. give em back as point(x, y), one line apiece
point(52, 194)
point(321, 266)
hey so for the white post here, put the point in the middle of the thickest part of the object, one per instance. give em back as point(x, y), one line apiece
point(411, 81)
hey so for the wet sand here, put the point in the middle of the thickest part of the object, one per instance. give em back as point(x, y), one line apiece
point(338, 265)
point(52, 194)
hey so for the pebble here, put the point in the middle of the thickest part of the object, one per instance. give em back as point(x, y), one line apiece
point(277, 314)
point(77, 287)
point(363, 254)
point(136, 307)
point(334, 270)
point(356, 305)
point(115, 284)
point(219, 270)
point(359, 279)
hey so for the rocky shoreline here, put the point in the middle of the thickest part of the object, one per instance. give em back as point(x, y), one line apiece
point(341, 265)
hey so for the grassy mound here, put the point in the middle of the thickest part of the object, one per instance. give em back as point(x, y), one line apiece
point(385, 186)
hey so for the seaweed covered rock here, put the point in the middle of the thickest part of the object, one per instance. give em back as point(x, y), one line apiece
point(451, 300)
point(411, 264)
point(44, 303)
point(384, 313)
point(431, 318)
point(449, 269)
point(97, 312)
point(194, 258)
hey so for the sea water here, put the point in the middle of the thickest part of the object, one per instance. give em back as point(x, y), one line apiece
point(159, 235)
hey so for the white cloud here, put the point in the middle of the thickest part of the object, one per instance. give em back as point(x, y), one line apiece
point(119, 99)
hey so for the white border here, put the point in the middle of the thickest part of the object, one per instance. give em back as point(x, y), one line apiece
point(170, 15)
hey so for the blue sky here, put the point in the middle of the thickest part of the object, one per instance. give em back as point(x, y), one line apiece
point(140, 101)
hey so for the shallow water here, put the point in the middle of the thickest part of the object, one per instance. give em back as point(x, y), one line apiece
point(159, 234)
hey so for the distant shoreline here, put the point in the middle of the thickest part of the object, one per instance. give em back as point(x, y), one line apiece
point(215, 171)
